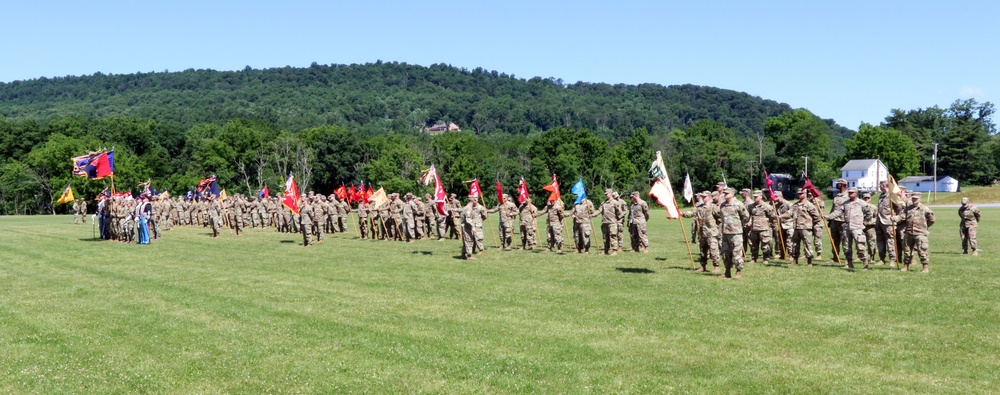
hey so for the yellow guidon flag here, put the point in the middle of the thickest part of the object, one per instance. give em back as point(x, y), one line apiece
point(67, 195)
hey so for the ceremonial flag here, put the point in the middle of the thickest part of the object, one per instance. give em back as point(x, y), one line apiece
point(499, 193)
point(352, 194)
point(147, 189)
point(808, 185)
point(553, 189)
point(769, 182)
point(894, 192)
point(474, 189)
point(428, 175)
point(291, 198)
point(660, 188)
point(522, 191)
point(263, 193)
point(341, 192)
point(105, 193)
point(579, 190)
point(379, 198)
point(439, 195)
point(95, 165)
point(688, 191)
point(208, 187)
point(369, 193)
point(67, 195)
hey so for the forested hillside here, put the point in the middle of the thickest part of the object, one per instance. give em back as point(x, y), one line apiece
point(349, 123)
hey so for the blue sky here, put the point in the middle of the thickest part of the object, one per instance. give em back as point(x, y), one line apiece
point(852, 61)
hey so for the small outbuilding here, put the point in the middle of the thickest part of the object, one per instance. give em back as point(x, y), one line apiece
point(926, 183)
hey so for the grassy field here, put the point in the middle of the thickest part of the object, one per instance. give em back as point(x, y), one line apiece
point(261, 314)
point(976, 194)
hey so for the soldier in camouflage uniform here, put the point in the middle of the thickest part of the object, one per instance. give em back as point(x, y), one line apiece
point(969, 217)
point(343, 209)
point(215, 215)
point(454, 210)
point(528, 212)
point(885, 227)
point(761, 217)
point(554, 213)
point(784, 226)
point(707, 216)
point(804, 216)
point(745, 194)
point(817, 232)
point(76, 212)
point(407, 215)
point(734, 218)
point(418, 217)
point(306, 212)
point(472, 223)
point(239, 206)
point(870, 212)
point(394, 225)
point(363, 219)
point(581, 213)
point(837, 222)
point(852, 228)
point(916, 220)
point(507, 212)
point(638, 215)
point(622, 218)
point(609, 211)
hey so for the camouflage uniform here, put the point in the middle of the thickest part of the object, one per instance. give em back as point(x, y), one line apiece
point(622, 217)
point(472, 228)
point(734, 216)
point(786, 227)
point(528, 213)
point(343, 210)
point(916, 219)
point(885, 228)
point(852, 227)
point(837, 222)
point(76, 212)
point(239, 207)
point(507, 212)
point(870, 212)
point(418, 217)
point(408, 218)
point(707, 216)
point(969, 216)
point(554, 214)
point(394, 225)
point(581, 225)
point(363, 219)
point(609, 211)
point(804, 216)
point(761, 217)
point(638, 215)
point(215, 216)
point(306, 212)
point(454, 209)
point(817, 233)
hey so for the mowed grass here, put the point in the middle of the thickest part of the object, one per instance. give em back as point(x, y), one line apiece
point(976, 194)
point(261, 314)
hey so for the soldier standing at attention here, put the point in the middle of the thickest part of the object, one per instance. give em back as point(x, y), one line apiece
point(786, 225)
point(528, 213)
point(581, 213)
point(707, 216)
point(363, 219)
point(454, 210)
point(968, 214)
point(306, 212)
point(916, 219)
point(472, 223)
point(885, 228)
point(407, 216)
point(609, 211)
point(638, 215)
point(554, 214)
point(804, 216)
point(745, 193)
point(851, 213)
point(622, 217)
point(76, 211)
point(734, 217)
point(837, 221)
point(214, 215)
point(418, 217)
point(817, 232)
point(870, 212)
point(507, 211)
point(761, 217)
point(83, 210)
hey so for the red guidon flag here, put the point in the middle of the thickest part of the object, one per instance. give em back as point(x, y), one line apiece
point(499, 193)
point(291, 199)
point(474, 189)
point(522, 191)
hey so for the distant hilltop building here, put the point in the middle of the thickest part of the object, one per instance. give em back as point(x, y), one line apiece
point(443, 127)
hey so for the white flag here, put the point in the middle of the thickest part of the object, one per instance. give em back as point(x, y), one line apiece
point(660, 188)
point(688, 191)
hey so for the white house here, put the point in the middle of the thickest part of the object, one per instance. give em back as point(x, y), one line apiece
point(926, 183)
point(864, 174)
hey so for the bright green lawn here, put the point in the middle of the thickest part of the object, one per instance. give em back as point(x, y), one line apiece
point(261, 314)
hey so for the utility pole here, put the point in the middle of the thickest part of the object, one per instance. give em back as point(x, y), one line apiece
point(934, 198)
point(750, 170)
point(807, 166)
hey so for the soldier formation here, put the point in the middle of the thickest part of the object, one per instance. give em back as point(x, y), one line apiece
point(725, 229)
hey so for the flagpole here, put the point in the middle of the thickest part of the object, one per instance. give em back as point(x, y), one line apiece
point(781, 233)
point(591, 219)
point(680, 220)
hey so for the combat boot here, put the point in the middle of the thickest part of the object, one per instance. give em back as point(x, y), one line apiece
point(700, 270)
point(975, 253)
point(739, 274)
point(904, 267)
point(866, 266)
point(809, 262)
point(925, 269)
point(716, 270)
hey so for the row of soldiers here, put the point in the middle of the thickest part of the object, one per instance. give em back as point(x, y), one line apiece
point(726, 227)
point(118, 218)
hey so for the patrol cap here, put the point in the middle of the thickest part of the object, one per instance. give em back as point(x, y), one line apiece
point(965, 200)
point(730, 190)
point(614, 195)
point(801, 191)
point(745, 190)
point(715, 193)
point(841, 181)
point(473, 197)
point(409, 195)
point(915, 195)
point(608, 191)
point(720, 184)
point(757, 193)
point(852, 190)
point(866, 195)
point(635, 193)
